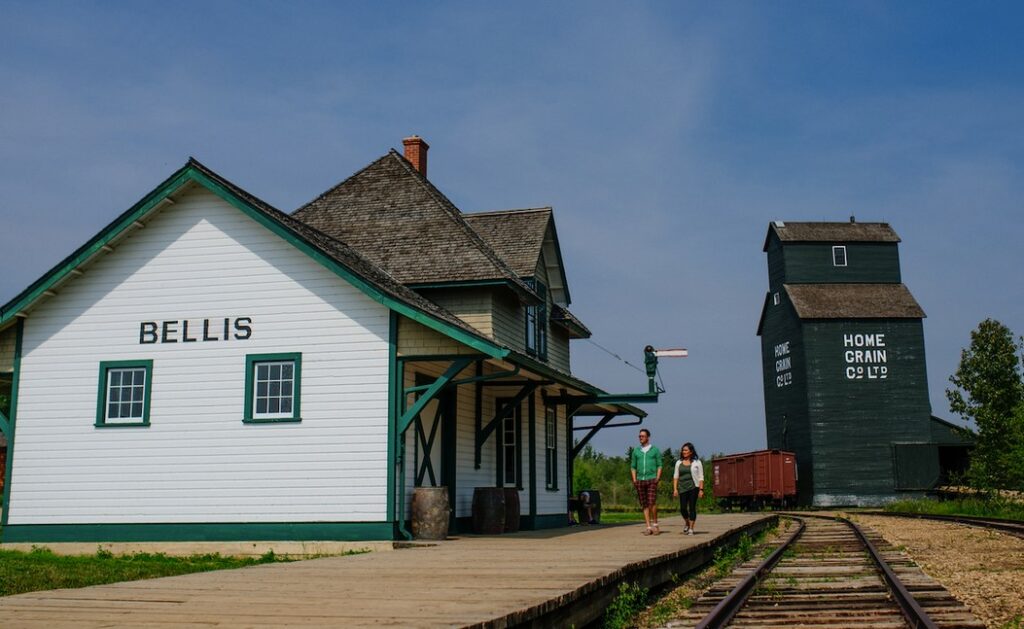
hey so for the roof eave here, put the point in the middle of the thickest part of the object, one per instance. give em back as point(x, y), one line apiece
point(94, 246)
point(575, 332)
point(561, 264)
point(541, 369)
point(195, 172)
point(532, 298)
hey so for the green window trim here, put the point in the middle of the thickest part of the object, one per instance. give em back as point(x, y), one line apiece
point(536, 322)
point(251, 361)
point(551, 448)
point(516, 417)
point(530, 333)
point(102, 390)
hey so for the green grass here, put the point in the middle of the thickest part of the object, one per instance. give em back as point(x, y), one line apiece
point(668, 608)
point(975, 507)
point(728, 557)
point(631, 601)
point(1017, 622)
point(616, 517)
point(768, 587)
point(42, 569)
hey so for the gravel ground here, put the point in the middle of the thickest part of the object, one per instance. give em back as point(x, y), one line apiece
point(982, 568)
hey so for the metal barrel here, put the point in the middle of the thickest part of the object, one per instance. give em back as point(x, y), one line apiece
point(430, 512)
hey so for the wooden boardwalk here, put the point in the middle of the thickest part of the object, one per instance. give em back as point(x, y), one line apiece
point(543, 578)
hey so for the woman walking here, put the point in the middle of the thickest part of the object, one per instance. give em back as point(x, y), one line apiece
point(688, 484)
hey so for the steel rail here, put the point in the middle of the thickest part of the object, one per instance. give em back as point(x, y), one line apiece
point(912, 611)
point(727, 608)
point(1013, 527)
point(734, 601)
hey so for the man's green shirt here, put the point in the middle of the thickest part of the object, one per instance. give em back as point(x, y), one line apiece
point(646, 464)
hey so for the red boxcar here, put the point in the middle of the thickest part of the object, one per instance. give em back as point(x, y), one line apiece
point(755, 479)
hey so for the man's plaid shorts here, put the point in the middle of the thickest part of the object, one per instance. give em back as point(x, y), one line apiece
point(647, 492)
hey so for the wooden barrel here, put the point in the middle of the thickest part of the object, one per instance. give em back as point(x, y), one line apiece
point(489, 510)
point(430, 513)
point(511, 509)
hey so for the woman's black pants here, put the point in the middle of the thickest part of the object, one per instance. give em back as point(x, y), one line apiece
point(688, 504)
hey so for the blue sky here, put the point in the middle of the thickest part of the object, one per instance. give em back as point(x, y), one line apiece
point(665, 135)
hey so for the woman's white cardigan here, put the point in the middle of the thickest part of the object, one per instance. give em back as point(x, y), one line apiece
point(696, 471)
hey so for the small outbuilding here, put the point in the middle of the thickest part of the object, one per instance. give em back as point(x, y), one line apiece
point(208, 367)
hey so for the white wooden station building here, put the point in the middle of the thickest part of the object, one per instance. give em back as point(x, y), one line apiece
point(208, 367)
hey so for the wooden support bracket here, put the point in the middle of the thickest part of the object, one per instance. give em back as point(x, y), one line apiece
point(593, 431)
point(484, 432)
point(457, 365)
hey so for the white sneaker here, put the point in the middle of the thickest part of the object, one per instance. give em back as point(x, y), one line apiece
point(686, 530)
point(689, 531)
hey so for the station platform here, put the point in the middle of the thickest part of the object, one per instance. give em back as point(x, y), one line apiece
point(556, 577)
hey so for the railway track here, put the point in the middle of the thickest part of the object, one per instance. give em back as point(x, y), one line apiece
point(1012, 527)
point(829, 574)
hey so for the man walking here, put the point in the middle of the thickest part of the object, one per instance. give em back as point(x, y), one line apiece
point(645, 466)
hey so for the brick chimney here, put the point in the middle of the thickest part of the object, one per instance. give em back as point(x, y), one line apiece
point(416, 152)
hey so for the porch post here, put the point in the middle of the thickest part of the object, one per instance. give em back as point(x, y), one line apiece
point(12, 422)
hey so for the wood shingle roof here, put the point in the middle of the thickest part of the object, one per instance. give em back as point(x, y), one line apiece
point(395, 217)
point(853, 301)
point(569, 321)
point(516, 235)
point(837, 232)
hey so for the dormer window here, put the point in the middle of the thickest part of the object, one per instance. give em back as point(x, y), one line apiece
point(839, 255)
point(537, 323)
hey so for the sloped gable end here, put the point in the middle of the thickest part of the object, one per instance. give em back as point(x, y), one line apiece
point(193, 300)
point(556, 268)
point(526, 239)
point(334, 255)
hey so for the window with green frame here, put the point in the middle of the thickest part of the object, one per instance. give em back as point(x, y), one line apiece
point(510, 446)
point(123, 396)
point(537, 322)
point(272, 388)
point(550, 447)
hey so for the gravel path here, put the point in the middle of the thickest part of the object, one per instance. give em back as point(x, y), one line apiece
point(982, 568)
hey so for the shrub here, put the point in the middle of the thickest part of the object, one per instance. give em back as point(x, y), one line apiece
point(631, 601)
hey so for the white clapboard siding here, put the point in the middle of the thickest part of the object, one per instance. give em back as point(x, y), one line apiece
point(197, 461)
point(469, 477)
point(551, 501)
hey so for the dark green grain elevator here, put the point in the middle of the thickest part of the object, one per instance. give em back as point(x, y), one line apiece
point(842, 350)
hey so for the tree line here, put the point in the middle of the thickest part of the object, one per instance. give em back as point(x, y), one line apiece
point(610, 475)
point(988, 389)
